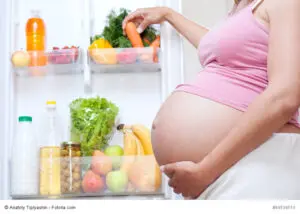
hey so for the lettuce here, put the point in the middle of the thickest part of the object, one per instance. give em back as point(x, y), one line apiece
point(92, 123)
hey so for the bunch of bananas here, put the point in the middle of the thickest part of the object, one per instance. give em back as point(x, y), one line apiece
point(138, 160)
point(137, 140)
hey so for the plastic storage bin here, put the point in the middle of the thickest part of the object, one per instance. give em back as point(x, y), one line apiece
point(57, 61)
point(97, 178)
point(124, 60)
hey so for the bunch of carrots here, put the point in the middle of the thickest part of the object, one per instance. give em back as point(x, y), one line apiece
point(137, 42)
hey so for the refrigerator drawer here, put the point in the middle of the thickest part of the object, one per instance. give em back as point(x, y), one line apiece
point(98, 176)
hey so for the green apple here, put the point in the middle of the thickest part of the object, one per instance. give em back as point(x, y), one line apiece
point(115, 152)
point(117, 181)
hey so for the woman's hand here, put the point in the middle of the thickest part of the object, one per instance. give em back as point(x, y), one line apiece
point(147, 16)
point(187, 178)
point(156, 15)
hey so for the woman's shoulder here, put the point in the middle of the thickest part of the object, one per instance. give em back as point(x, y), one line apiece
point(279, 8)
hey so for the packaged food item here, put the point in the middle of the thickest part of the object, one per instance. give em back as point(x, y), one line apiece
point(36, 39)
point(24, 160)
point(65, 55)
point(51, 138)
point(70, 168)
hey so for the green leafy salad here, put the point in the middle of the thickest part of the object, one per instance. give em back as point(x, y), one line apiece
point(92, 123)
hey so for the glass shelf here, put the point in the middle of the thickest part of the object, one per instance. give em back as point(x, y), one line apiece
point(158, 194)
point(131, 68)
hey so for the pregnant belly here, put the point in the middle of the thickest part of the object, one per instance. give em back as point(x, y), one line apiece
point(188, 127)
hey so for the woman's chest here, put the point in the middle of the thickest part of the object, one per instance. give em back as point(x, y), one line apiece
point(238, 41)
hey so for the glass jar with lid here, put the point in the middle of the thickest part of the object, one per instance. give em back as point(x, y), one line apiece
point(70, 168)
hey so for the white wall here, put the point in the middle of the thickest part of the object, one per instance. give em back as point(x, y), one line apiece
point(206, 13)
point(1, 89)
point(4, 66)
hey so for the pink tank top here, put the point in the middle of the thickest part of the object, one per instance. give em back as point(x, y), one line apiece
point(234, 57)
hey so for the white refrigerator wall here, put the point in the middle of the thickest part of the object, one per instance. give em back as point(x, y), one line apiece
point(206, 13)
point(138, 95)
point(4, 81)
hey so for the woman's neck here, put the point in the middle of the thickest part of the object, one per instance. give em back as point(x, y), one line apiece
point(240, 5)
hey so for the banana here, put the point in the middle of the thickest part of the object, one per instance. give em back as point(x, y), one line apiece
point(132, 149)
point(140, 149)
point(144, 136)
point(130, 145)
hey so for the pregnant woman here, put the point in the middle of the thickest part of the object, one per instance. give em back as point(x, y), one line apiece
point(233, 133)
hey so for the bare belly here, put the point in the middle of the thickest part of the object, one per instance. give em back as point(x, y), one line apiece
point(188, 127)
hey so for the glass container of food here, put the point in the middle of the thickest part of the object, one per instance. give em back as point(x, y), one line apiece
point(70, 168)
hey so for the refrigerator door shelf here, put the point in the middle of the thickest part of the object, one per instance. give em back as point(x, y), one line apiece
point(83, 177)
point(131, 68)
point(124, 60)
point(55, 62)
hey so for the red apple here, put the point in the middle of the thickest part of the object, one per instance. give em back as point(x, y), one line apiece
point(92, 183)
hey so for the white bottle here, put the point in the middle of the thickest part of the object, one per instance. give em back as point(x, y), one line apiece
point(24, 160)
point(51, 127)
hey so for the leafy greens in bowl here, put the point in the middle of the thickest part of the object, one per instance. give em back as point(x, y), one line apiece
point(92, 123)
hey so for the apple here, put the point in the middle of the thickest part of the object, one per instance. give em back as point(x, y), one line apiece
point(20, 59)
point(92, 183)
point(128, 56)
point(115, 152)
point(145, 174)
point(101, 163)
point(117, 181)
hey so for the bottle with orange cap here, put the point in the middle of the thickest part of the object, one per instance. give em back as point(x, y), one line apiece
point(50, 152)
point(36, 39)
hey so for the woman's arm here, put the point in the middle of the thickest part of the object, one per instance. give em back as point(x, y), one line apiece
point(276, 106)
point(189, 29)
point(145, 17)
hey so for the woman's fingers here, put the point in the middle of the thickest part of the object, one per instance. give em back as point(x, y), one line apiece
point(172, 182)
point(176, 190)
point(169, 170)
point(142, 26)
point(138, 14)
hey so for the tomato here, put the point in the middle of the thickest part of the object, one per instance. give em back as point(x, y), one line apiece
point(128, 56)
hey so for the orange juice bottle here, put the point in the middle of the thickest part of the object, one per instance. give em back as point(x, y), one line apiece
point(36, 39)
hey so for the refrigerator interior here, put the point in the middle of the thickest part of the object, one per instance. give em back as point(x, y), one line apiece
point(137, 90)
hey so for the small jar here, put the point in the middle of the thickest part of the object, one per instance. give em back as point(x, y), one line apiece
point(70, 168)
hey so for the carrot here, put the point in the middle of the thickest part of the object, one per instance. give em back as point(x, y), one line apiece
point(156, 42)
point(155, 45)
point(146, 41)
point(133, 36)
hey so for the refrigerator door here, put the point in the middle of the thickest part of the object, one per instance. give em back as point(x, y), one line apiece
point(139, 94)
point(5, 86)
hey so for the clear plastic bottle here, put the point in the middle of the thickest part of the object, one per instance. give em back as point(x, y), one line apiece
point(36, 39)
point(24, 160)
point(50, 152)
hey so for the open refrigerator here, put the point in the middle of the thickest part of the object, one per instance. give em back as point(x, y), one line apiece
point(137, 88)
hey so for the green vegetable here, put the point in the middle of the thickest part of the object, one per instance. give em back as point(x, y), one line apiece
point(92, 123)
point(123, 42)
point(92, 39)
point(113, 31)
point(149, 34)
